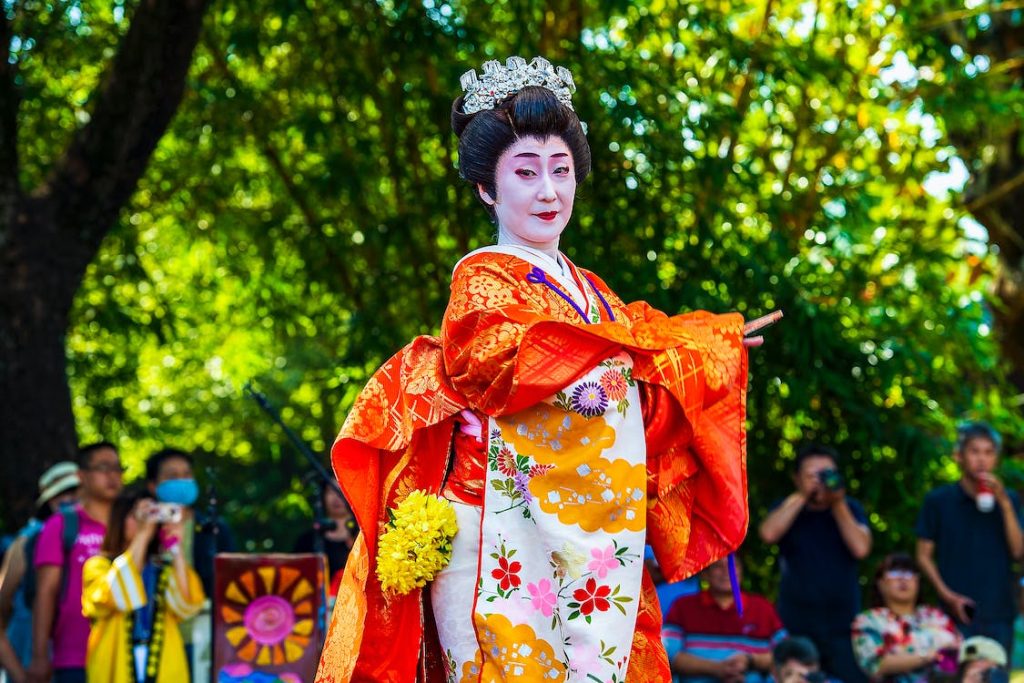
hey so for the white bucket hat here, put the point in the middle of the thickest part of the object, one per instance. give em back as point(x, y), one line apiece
point(61, 477)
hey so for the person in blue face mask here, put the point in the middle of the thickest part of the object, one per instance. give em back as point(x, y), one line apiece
point(169, 477)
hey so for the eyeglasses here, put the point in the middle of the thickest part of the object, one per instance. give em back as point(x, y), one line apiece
point(105, 469)
point(900, 574)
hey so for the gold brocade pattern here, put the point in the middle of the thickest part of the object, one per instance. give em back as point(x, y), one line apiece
point(366, 421)
point(338, 662)
point(648, 662)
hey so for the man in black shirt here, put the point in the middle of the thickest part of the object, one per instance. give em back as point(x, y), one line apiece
point(969, 534)
point(821, 534)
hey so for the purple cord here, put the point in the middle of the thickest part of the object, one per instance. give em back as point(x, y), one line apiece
point(735, 581)
point(601, 297)
point(538, 276)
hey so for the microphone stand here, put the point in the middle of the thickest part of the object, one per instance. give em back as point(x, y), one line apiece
point(299, 444)
point(318, 471)
point(211, 513)
point(211, 507)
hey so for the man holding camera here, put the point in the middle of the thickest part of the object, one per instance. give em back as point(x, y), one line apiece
point(822, 534)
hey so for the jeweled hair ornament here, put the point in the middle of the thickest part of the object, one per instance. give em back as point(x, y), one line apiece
point(498, 82)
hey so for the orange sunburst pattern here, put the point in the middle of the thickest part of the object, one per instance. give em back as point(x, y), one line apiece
point(269, 613)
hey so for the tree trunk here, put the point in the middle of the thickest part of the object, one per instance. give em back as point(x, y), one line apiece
point(35, 296)
point(48, 236)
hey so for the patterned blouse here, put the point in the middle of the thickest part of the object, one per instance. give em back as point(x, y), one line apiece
point(879, 632)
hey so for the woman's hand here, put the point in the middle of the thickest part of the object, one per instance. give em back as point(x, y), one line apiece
point(144, 514)
point(471, 425)
point(759, 324)
point(171, 534)
point(146, 526)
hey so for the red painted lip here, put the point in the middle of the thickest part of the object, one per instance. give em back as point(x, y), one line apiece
point(547, 215)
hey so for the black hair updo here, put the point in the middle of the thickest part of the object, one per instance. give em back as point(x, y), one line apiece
point(534, 111)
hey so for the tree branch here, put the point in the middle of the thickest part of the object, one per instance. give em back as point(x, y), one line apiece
point(1006, 65)
point(261, 136)
point(133, 106)
point(996, 194)
point(957, 15)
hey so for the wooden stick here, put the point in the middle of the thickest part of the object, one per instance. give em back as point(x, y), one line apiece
point(762, 322)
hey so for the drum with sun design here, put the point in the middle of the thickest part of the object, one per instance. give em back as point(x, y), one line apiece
point(268, 617)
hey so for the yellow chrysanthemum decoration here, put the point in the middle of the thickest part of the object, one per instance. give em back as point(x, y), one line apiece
point(417, 544)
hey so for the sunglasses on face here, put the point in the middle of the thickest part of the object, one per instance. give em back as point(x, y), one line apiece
point(900, 574)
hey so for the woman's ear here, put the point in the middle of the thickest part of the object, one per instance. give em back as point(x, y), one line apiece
point(485, 195)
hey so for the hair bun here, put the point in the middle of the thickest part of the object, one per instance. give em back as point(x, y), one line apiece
point(460, 119)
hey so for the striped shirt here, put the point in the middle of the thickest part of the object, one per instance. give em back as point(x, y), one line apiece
point(697, 625)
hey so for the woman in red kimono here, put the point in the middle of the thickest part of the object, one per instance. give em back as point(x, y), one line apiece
point(564, 426)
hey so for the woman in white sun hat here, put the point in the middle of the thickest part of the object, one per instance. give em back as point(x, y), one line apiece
point(57, 486)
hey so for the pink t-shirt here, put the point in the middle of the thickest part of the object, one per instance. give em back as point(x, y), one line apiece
point(70, 628)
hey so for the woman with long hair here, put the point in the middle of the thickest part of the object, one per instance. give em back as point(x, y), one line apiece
point(557, 424)
point(136, 593)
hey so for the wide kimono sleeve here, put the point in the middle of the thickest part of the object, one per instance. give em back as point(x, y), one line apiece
point(111, 586)
point(185, 607)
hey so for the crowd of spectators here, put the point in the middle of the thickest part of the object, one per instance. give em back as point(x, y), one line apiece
point(968, 538)
point(100, 561)
point(100, 585)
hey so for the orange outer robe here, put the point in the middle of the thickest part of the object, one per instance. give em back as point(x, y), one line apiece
point(506, 344)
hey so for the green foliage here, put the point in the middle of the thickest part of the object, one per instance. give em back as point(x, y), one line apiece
point(299, 223)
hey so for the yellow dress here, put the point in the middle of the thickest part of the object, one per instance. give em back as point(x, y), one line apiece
point(112, 591)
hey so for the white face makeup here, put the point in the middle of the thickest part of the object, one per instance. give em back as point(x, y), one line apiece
point(536, 186)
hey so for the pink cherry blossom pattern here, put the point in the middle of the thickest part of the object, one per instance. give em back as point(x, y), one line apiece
point(604, 561)
point(542, 597)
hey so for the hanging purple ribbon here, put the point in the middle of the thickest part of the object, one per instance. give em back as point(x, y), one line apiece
point(734, 580)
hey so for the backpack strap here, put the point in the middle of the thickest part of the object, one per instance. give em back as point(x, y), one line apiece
point(28, 580)
point(69, 516)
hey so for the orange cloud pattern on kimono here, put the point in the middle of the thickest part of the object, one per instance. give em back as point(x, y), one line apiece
point(531, 660)
point(547, 432)
point(607, 495)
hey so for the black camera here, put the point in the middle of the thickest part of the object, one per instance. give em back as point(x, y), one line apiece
point(831, 479)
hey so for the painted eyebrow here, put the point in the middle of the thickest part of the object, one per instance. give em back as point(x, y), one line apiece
point(531, 155)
